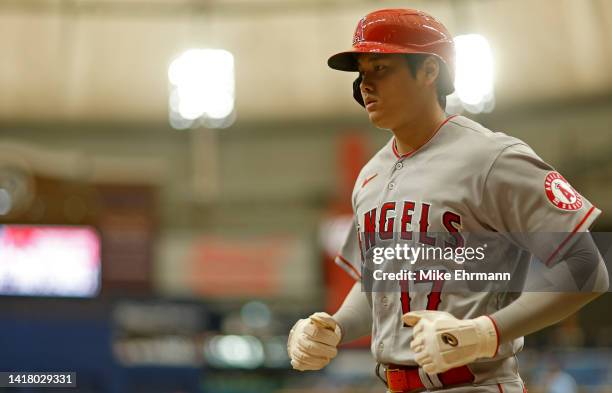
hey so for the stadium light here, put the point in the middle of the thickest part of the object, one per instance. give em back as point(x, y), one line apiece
point(202, 89)
point(473, 75)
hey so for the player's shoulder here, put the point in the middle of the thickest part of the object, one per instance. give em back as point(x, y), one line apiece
point(478, 136)
point(476, 140)
point(380, 159)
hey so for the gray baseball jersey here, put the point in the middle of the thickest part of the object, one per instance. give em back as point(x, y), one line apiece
point(466, 178)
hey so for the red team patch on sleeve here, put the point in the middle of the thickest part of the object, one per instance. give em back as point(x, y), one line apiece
point(560, 193)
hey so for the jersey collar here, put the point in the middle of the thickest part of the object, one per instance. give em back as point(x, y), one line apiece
point(410, 153)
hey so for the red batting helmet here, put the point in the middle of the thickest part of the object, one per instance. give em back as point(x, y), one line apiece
point(404, 31)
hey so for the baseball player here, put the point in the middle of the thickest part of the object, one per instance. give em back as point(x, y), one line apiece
point(441, 173)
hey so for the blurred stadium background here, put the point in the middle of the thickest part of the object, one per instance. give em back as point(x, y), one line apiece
point(162, 230)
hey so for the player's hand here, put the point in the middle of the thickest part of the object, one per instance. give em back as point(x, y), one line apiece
point(312, 342)
point(441, 341)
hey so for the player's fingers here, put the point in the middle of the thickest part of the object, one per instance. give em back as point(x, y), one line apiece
point(316, 330)
point(417, 348)
point(411, 318)
point(419, 327)
point(324, 320)
point(422, 358)
point(302, 366)
point(321, 335)
point(300, 355)
point(417, 341)
point(317, 349)
point(305, 366)
point(309, 364)
point(297, 365)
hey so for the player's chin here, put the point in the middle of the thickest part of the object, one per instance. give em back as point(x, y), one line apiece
point(378, 119)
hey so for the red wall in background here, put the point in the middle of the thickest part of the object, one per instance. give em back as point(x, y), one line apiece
point(352, 154)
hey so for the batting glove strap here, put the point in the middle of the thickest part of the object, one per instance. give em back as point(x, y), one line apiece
point(487, 331)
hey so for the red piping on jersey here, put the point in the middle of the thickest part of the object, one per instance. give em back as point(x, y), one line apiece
point(366, 181)
point(414, 151)
point(570, 235)
point(347, 263)
point(496, 334)
point(499, 387)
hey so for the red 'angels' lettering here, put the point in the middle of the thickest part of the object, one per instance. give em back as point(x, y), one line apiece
point(433, 298)
point(383, 222)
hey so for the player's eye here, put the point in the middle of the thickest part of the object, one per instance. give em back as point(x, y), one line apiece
point(379, 67)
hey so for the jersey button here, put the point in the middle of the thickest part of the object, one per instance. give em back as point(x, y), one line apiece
point(391, 186)
point(385, 301)
point(381, 346)
point(399, 165)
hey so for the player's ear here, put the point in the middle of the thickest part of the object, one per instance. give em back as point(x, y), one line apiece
point(430, 69)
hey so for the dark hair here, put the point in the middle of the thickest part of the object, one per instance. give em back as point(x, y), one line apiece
point(415, 61)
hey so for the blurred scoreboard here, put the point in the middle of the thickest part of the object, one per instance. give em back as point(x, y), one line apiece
point(38, 260)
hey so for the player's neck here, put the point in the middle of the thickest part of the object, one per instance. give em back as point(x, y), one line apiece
point(414, 134)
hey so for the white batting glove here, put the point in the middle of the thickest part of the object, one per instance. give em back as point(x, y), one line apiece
point(312, 342)
point(441, 341)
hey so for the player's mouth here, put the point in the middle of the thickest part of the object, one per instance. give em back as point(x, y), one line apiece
point(370, 103)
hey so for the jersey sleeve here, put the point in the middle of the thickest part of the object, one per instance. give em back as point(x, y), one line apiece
point(533, 204)
point(349, 256)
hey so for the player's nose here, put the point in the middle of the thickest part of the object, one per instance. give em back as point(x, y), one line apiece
point(366, 85)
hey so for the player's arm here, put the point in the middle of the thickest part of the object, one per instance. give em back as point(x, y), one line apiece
point(531, 213)
point(312, 341)
point(533, 311)
point(442, 341)
point(354, 315)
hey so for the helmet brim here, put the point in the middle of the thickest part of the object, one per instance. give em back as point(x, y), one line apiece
point(347, 61)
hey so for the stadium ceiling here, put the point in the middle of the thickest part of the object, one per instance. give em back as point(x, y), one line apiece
point(107, 59)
